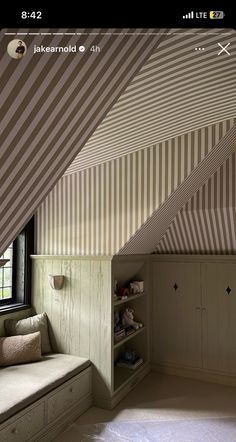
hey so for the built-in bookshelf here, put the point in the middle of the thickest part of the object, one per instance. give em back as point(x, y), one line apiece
point(126, 269)
point(127, 338)
point(129, 298)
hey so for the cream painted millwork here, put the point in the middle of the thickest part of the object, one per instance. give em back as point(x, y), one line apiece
point(79, 313)
point(194, 327)
point(48, 416)
point(177, 313)
point(81, 316)
point(219, 317)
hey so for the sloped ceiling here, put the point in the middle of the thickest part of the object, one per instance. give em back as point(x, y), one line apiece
point(50, 106)
point(207, 222)
point(153, 229)
point(178, 89)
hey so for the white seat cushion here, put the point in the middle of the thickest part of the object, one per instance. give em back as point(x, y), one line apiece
point(21, 385)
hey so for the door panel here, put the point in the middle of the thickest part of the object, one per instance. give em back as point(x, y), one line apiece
point(177, 313)
point(219, 318)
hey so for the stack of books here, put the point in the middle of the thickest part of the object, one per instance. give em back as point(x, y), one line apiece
point(129, 364)
point(129, 330)
point(119, 334)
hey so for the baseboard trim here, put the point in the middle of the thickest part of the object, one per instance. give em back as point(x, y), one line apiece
point(196, 373)
point(111, 402)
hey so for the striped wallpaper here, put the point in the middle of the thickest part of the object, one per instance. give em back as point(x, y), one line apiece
point(97, 210)
point(153, 229)
point(207, 222)
point(50, 106)
point(177, 90)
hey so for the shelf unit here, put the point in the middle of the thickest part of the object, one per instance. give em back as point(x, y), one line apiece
point(127, 338)
point(126, 269)
point(129, 298)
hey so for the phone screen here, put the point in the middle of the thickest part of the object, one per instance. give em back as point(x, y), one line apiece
point(102, 127)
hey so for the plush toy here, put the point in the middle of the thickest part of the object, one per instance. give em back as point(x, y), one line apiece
point(128, 319)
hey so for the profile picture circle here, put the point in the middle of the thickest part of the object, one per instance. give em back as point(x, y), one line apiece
point(17, 48)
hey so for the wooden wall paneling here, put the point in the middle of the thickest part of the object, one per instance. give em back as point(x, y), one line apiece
point(38, 286)
point(47, 296)
point(219, 325)
point(204, 302)
point(56, 309)
point(191, 314)
point(95, 323)
point(106, 361)
point(163, 323)
point(176, 332)
point(84, 324)
point(66, 309)
point(75, 297)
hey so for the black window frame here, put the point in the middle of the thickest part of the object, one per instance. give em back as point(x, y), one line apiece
point(23, 247)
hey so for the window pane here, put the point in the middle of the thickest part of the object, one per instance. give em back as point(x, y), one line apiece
point(6, 293)
point(6, 275)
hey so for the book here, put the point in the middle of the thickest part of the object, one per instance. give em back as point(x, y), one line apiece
point(129, 330)
point(127, 364)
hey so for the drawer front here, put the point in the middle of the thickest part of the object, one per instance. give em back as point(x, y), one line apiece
point(25, 427)
point(73, 392)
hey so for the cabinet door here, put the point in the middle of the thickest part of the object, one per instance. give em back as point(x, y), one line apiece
point(219, 317)
point(176, 317)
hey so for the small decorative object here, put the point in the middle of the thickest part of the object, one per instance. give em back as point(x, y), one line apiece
point(56, 281)
point(128, 319)
point(123, 292)
point(129, 360)
point(137, 287)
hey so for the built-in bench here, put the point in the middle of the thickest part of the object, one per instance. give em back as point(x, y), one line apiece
point(37, 400)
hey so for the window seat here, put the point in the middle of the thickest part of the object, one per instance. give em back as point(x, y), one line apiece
point(38, 396)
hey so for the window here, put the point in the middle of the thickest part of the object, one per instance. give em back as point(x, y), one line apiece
point(15, 275)
point(6, 275)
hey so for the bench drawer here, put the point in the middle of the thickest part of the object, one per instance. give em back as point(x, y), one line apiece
point(72, 392)
point(25, 427)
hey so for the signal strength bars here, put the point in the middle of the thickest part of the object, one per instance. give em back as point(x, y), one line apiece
point(189, 15)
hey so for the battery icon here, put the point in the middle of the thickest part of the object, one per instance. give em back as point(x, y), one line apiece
point(216, 15)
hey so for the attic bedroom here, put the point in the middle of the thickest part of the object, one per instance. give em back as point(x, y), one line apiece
point(117, 237)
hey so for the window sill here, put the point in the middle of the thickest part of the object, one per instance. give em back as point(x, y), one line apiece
point(11, 308)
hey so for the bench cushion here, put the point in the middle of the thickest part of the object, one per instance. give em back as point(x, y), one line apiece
point(21, 385)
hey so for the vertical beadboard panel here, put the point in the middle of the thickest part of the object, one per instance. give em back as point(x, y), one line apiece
point(56, 297)
point(80, 313)
point(96, 211)
point(85, 302)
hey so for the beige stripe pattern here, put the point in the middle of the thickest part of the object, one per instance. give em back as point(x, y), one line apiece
point(97, 210)
point(177, 90)
point(207, 222)
point(50, 106)
point(156, 225)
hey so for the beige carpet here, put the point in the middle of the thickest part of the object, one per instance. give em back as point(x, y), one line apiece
point(161, 398)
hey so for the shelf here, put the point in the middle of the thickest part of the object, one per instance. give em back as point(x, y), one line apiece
point(129, 298)
point(122, 341)
point(124, 375)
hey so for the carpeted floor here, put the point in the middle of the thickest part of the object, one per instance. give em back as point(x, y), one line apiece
point(162, 408)
point(198, 430)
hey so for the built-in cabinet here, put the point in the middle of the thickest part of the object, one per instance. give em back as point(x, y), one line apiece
point(194, 315)
point(81, 316)
point(188, 311)
point(177, 313)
